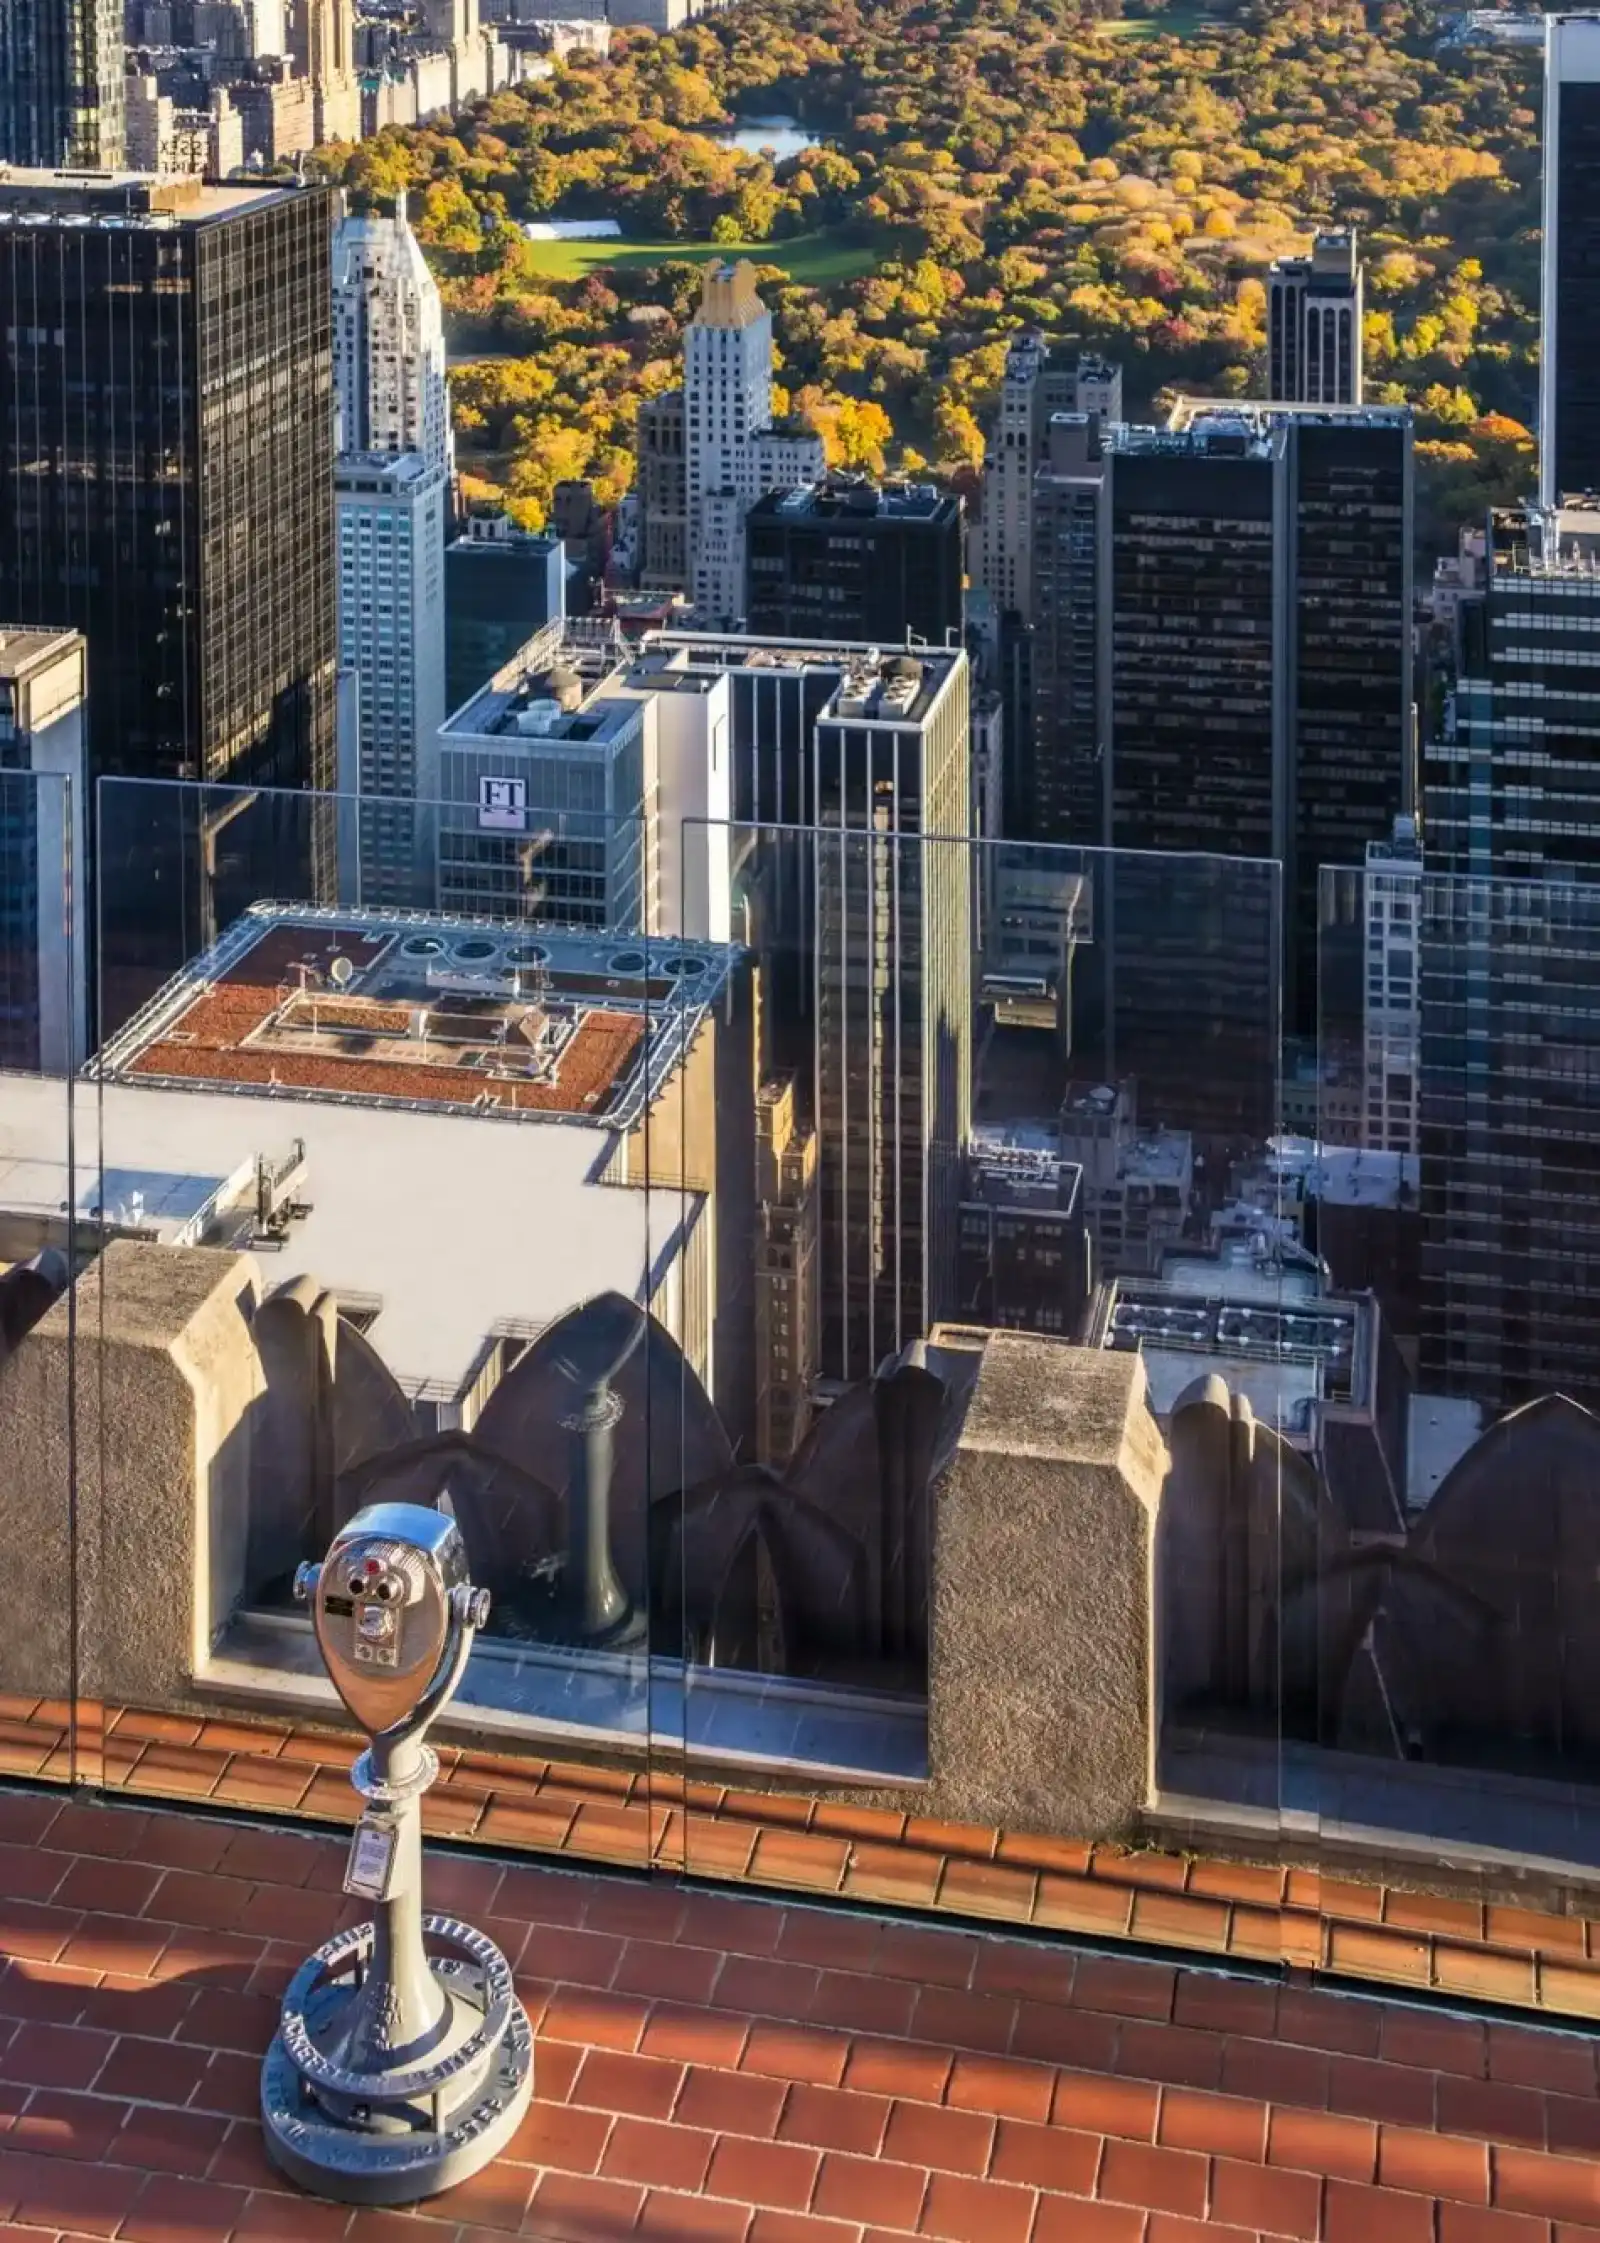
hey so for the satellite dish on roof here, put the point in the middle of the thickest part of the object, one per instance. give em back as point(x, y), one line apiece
point(341, 973)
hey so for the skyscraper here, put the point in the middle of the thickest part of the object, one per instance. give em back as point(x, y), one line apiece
point(1038, 383)
point(848, 559)
point(1056, 780)
point(61, 72)
point(392, 492)
point(186, 524)
point(391, 526)
point(390, 385)
point(1515, 793)
point(663, 493)
point(1510, 1137)
point(1391, 1057)
point(732, 452)
point(501, 585)
point(1255, 690)
point(1509, 977)
point(859, 898)
point(1569, 360)
point(727, 387)
point(1314, 340)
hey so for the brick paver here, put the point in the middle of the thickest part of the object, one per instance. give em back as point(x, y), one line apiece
point(725, 2070)
point(1479, 1950)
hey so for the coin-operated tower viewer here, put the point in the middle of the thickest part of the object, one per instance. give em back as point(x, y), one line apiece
point(403, 2060)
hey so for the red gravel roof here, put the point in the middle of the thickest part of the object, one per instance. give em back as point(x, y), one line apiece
point(210, 1040)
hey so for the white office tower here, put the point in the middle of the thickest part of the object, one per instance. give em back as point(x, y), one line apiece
point(1392, 1018)
point(727, 382)
point(391, 518)
point(390, 387)
point(392, 485)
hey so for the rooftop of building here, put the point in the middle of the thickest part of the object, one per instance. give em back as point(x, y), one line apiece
point(24, 651)
point(545, 689)
point(127, 198)
point(497, 533)
point(1334, 256)
point(1342, 1175)
point(1232, 417)
point(858, 498)
point(792, 426)
point(1259, 1316)
point(378, 471)
point(1145, 1153)
point(512, 1021)
point(1006, 1168)
point(728, 296)
point(873, 687)
point(445, 1238)
point(1561, 542)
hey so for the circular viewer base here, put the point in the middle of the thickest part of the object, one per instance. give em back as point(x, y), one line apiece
point(387, 2152)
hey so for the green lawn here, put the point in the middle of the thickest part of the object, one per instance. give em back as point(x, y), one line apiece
point(1179, 22)
point(813, 260)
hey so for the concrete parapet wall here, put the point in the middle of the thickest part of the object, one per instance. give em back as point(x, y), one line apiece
point(1042, 1692)
point(167, 1382)
point(138, 1399)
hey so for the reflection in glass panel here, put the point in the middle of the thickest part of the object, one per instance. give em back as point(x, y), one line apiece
point(394, 1167)
point(1014, 1121)
point(41, 1029)
point(1458, 1628)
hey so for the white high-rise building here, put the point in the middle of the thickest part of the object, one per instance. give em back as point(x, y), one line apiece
point(732, 453)
point(391, 520)
point(1392, 1011)
point(392, 494)
point(390, 386)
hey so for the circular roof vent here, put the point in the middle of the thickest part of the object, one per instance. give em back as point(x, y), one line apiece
point(421, 946)
point(684, 969)
point(474, 953)
point(626, 962)
point(528, 954)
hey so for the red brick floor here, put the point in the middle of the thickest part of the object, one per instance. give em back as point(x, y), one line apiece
point(716, 2069)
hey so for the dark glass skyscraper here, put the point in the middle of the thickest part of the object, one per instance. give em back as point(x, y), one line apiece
point(1569, 364)
point(1314, 309)
point(1255, 701)
point(166, 465)
point(1058, 786)
point(1515, 793)
point(61, 82)
point(1256, 644)
point(848, 560)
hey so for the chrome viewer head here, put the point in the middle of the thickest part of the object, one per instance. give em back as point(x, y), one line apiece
point(395, 1614)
